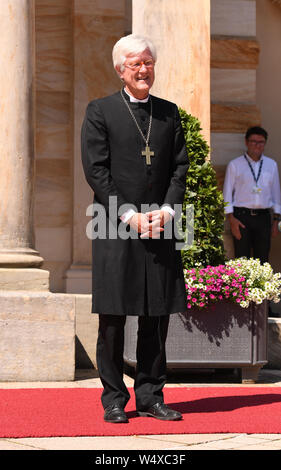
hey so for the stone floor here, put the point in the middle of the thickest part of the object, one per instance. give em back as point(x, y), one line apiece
point(184, 442)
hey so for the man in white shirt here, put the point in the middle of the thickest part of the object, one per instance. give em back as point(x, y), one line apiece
point(252, 192)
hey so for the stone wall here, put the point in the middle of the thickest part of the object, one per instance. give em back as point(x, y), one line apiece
point(244, 48)
point(74, 41)
point(181, 33)
point(54, 142)
point(268, 91)
point(73, 65)
point(234, 60)
point(97, 25)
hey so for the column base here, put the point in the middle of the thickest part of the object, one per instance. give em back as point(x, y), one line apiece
point(78, 279)
point(274, 343)
point(37, 339)
point(87, 325)
point(30, 279)
point(20, 258)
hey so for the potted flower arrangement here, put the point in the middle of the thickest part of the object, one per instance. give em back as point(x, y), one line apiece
point(225, 325)
point(241, 281)
point(226, 320)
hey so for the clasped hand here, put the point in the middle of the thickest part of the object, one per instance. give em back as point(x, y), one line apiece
point(150, 224)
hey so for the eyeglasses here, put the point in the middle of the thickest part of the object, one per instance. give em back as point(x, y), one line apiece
point(257, 142)
point(138, 65)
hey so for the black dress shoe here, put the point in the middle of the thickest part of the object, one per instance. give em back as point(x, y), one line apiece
point(115, 414)
point(161, 411)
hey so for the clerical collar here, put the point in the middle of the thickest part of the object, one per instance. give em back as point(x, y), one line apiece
point(254, 161)
point(135, 100)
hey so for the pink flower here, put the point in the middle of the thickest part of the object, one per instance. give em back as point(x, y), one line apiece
point(234, 287)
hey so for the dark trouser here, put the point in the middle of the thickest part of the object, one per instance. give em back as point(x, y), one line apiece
point(151, 360)
point(256, 236)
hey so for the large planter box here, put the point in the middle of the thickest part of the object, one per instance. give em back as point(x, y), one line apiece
point(224, 336)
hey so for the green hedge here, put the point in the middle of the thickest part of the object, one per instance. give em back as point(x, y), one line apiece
point(202, 192)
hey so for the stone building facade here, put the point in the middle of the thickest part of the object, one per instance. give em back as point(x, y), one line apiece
point(73, 42)
point(218, 59)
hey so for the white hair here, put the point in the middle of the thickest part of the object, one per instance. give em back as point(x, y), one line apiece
point(129, 45)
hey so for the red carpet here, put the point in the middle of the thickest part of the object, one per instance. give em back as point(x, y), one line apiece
point(78, 412)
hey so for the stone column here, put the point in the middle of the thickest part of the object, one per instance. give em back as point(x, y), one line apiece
point(37, 329)
point(17, 145)
point(181, 32)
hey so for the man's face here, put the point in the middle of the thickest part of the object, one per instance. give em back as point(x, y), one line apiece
point(255, 145)
point(138, 74)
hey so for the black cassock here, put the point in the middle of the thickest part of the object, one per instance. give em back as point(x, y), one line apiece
point(135, 276)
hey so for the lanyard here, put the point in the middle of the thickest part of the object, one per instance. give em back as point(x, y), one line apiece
point(251, 168)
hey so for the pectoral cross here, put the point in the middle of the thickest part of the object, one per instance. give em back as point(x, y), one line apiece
point(147, 153)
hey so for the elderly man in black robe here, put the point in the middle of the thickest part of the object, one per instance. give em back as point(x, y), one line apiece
point(134, 156)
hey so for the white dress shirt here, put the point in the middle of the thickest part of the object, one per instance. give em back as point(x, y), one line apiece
point(240, 187)
point(130, 212)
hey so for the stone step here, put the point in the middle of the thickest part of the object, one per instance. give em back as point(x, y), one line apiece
point(37, 333)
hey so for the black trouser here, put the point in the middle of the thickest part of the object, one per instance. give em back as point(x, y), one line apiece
point(256, 236)
point(150, 354)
